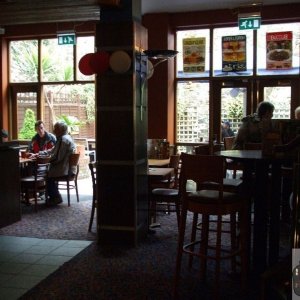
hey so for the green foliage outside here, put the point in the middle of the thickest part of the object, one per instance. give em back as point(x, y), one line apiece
point(72, 122)
point(28, 131)
point(24, 68)
point(235, 109)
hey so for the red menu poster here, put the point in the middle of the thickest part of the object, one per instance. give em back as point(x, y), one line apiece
point(279, 50)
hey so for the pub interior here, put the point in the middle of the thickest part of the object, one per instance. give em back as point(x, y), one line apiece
point(147, 86)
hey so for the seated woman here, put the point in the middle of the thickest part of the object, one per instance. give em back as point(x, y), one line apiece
point(254, 126)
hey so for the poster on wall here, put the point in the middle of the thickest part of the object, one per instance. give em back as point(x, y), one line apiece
point(193, 55)
point(279, 50)
point(234, 53)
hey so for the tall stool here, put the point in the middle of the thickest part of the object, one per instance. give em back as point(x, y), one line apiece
point(210, 202)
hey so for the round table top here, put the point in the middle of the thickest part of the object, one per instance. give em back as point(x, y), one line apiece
point(249, 155)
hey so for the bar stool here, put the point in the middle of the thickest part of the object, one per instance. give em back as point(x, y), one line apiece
point(212, 202)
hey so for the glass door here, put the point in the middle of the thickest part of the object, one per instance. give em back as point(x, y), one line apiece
point(283, 93)
point(25, 110)
point(231, 105)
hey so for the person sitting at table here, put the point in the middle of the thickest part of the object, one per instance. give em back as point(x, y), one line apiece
point(254, 126)
point(226, 129)
point(42, 140)
point(59, 162)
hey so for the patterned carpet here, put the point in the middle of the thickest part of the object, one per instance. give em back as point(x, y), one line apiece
point(117, 272)
point(57, 222)
point(144, 272)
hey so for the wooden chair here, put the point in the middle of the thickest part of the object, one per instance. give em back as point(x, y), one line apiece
point(32, 186)
point(173, 180)
point(217, 202)
point(93, 170)
point(231, 165)
point(69, 181)
point(253, 146)
point(168, 195)
point(205, 149)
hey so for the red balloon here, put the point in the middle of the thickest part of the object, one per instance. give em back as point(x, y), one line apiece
point(99, 62)
point(84, 64)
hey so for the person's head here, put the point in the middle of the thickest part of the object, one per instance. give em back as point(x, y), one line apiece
point(226, 124)
point(297, 113)
point(60, 129)
point(265, 110)
point(40, 128)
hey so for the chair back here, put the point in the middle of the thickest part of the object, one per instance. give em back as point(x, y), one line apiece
point(93, 170)
point(228, 142)
point(205, 149)
point(202, 169)
point(74, 163)
point(253, 146)
point(174, 163)
point(43, 159)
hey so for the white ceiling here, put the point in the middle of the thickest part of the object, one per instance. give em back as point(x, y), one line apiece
point(155, 6)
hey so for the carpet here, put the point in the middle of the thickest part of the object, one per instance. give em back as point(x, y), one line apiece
point(55, 222)
point(143, 272)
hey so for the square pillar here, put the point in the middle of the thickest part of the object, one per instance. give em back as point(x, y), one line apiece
point(121, 137)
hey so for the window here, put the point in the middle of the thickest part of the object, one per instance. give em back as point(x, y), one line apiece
point(235, 93)
point(217, 51)
point(192, 111)
point(205, 53)
point(294, 28)
point(63, 92)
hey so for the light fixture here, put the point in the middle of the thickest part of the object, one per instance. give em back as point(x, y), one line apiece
point(160, 56)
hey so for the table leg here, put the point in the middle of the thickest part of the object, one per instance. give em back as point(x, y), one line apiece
point(274, 214)
point(260, 217)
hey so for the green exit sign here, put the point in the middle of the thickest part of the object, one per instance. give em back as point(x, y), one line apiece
point(249, 23)
point(66, 39)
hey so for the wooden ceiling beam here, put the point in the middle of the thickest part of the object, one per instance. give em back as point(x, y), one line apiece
point(16, 12)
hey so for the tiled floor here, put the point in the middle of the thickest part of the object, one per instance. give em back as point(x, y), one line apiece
point(24, 262)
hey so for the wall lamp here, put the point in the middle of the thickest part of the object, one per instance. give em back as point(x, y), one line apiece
point(160, 56)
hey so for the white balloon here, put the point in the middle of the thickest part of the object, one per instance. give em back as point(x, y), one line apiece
point(120, 61)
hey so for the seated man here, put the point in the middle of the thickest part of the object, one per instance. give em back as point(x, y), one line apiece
point(254, 126)
point(43, 140)
point(59, 162)
point(226, 130)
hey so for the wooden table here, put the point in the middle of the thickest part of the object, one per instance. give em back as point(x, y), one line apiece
point(160, 173)
point(158, 162)
point(265, 247)
point(155, 174)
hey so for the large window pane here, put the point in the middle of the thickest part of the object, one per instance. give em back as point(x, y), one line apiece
point(233, 106)
point(218, 33)
point(262, 53)
point(23, 61)
point(192, 111)
point(84, 45)
point(26, 114)
point(280, 96)
point(57, 61)
point(74, 104)
point(203, 33)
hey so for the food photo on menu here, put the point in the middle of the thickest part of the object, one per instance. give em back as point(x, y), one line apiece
point(279, 50)
point(234, 53)
point(193, 54)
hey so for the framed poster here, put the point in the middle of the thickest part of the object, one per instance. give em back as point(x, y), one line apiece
point(194, 54)
point(234, 53)
point(279, 50)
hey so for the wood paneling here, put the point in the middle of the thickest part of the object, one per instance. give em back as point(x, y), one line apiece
point(44, 11)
